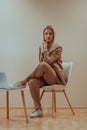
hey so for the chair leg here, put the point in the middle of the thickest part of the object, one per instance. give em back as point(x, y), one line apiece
point(7, 103)
point(55, 100)
point(42, 94)
point(68, 102)
point(24, 104)
point(53, 104)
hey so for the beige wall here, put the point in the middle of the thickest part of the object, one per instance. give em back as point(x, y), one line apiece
point(21, 25)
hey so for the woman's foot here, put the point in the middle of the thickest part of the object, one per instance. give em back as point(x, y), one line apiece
point(36, 113)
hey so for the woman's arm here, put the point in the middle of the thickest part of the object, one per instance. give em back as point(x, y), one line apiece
point(41, 56)
point(51, 57)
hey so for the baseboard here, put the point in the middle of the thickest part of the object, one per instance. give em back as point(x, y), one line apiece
point(60, 107)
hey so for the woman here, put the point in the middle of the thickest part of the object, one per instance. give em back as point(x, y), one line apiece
point(49, 71)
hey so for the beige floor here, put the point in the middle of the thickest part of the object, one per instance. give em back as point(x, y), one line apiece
point(64, 120)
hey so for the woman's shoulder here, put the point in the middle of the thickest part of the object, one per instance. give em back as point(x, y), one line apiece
point(57, 46)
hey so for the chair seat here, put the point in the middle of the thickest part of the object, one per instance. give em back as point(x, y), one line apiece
point(55, 87)
point(10, 89)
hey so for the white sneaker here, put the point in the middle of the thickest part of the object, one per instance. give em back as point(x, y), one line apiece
point(36, 113)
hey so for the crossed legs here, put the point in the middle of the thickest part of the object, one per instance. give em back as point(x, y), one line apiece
point(40, 76)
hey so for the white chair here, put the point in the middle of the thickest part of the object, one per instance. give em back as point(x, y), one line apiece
point(23, 100)
point(59, 88)
point(5, 87)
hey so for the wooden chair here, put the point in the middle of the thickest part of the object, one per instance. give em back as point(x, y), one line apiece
point(59, 88)
point(5, 87)
point(23, 100)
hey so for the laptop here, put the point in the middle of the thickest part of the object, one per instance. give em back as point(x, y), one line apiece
point(4, 83)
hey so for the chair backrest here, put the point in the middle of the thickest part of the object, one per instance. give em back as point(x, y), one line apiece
point(3, 80)
point(67, 70)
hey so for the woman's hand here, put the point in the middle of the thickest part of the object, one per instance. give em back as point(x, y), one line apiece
point(45, 45)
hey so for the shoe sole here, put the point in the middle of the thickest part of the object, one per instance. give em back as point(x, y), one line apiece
point(36, 116)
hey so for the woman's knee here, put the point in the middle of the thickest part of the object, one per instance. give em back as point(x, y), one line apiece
point(34, 83)
point(31, 83)
point(44, 64)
